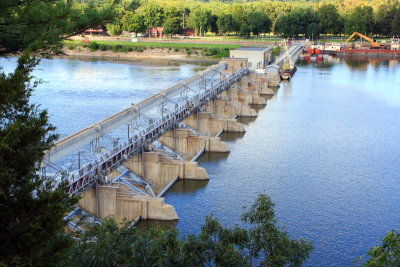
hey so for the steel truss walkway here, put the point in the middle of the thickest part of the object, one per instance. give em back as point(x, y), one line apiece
point(146, 122)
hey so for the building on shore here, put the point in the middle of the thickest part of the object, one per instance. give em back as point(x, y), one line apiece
point(258, 57)
point(100, 30)
point(158, 32)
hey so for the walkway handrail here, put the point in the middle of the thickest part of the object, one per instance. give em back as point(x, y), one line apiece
point(73, 142)
point(87, 175)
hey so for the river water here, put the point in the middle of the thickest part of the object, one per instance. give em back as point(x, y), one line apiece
point(325, 148)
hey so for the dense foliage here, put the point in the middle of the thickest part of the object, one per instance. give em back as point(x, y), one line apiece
point(387, 254)
point(32, 207)
point(293, 18)
point(263, 244)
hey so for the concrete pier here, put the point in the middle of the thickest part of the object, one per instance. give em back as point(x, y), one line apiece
point(189, 144)
point(126, 181)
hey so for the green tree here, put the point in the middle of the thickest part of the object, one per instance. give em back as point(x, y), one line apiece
point(201, 20)
point(33, 207)
point(259, 22)
point(173, 26)
point(387, 254)
point(395, 29)
point(264, 241)
point(328, 17)
point(384, 17)
point(115, 28)
point(41, 25)
point(360, 20)
point(245, 30)
point(225, 24)
point(269, 240)
point(213, 24)
point(134, 23)
point(172, 12)
point(302, 21)
point(239, 15)
point(153, 15)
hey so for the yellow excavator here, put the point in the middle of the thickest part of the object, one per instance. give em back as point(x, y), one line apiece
point(374, 43)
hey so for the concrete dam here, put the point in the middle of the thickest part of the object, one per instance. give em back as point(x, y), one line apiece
point(128, 161)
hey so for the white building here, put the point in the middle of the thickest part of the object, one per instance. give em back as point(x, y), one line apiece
point(258, 57)
point(395, 44)
point(327, 47)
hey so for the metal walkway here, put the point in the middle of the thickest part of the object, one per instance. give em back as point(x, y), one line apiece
point(146, 122)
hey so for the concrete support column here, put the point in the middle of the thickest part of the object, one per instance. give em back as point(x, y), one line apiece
point(211, 125)
point(189, 144)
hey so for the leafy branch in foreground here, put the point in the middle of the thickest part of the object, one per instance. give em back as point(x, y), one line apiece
point(387, 254)
point(264, 243)
point(33, 207)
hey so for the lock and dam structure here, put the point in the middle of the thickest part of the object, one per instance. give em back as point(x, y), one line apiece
point(123, 165)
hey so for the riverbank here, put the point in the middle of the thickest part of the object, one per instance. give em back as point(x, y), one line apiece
point(149, 54)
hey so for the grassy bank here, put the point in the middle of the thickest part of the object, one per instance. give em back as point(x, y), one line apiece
point(207, 50)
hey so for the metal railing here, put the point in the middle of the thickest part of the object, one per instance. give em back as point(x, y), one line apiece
point(98, 169)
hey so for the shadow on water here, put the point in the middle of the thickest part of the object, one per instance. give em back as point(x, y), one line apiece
point(213, 156)
point(188, 186)
point(268, 97)
point(230, 136)
point(246, 120)
point(258, 108)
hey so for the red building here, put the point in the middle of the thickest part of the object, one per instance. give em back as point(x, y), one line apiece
point(159, 32)
point(189, 32)
point(155, 32)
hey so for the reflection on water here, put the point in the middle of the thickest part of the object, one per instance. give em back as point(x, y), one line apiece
point(231, 136)
point(188, 186)
point(246, 120)
point(267, 97)
point(216, 157)
point(325, 149)
point(257, 108)
point(360, 64)
point(79, 92)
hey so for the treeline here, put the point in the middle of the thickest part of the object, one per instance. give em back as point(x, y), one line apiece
point(298, 18)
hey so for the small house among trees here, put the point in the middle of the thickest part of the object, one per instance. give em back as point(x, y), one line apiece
point(100, 30)
point(156, 32)
point(159, 32)
point(189, 32)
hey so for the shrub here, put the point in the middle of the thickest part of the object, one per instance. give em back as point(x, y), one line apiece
point(221, 53)
point(104, 47)
point(138, 49)
point(213, 51)
point(93, 46)
point(71, 46)
point(116, 48)
point(189, 51)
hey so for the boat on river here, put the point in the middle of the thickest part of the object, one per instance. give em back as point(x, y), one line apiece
point(287, 73)
point(288, 68)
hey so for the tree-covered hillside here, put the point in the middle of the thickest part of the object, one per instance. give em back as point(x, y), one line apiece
point(245, 18)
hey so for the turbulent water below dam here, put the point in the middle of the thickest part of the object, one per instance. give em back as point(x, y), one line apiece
point(325, 148)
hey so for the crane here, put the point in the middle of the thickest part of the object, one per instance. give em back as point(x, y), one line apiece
point(374, 43)
point(288, 62)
